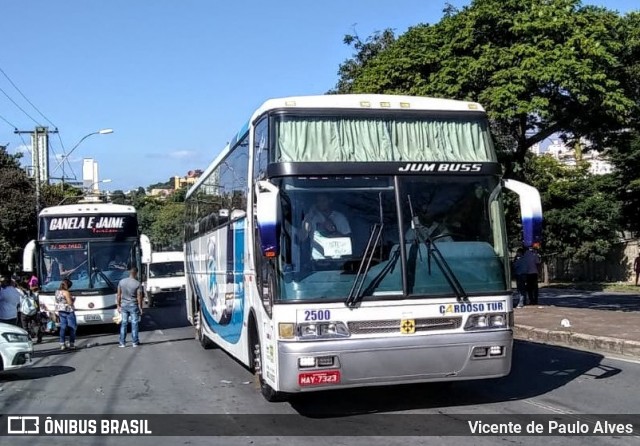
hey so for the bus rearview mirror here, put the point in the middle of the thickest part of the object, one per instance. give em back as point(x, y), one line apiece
point(268, 218)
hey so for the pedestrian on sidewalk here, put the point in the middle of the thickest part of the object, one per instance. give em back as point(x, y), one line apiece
point(66, 314)
point(532, 262)
point(129, 301)
point(29, 311)
point(519, 271)
point(636, 267)
point(9, 301)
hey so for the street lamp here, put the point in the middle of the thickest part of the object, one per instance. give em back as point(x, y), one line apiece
point(90, 188)
point(66, 156)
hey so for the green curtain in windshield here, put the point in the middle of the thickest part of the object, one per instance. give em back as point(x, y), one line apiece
point(334, 139)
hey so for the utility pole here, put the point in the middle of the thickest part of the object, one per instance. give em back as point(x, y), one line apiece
point(39, 157)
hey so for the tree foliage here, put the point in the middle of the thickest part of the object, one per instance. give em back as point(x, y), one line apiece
point(539, 67)
point(626, 159)
point(17, 211)
point(582, 219)
point(167, 229)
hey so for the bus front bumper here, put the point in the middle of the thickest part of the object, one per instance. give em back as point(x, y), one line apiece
point(393, 360)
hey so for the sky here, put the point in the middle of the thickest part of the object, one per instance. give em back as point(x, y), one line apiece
point(174, 79)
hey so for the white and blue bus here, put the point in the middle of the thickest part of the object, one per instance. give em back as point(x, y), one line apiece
point(409, 281)
point(94, 244)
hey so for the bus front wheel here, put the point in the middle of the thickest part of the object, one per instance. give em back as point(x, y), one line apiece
point(256, 367)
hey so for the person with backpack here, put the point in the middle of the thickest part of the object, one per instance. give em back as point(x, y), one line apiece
point(29, 307)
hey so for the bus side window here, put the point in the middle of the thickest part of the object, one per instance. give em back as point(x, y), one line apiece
point(261, 149)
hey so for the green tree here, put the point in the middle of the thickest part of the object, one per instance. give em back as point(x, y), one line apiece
point(626, 159)
point(118, 197)
point(17, 211)
point(167, 231)
point(179, 195)
point(582, 217)
point(540, 67)
point(159, 185)
point(147, 214)
point(366, 50)
point(55, 194)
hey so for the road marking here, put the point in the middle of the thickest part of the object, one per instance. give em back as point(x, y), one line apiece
point(581, 417)
point(548, 407)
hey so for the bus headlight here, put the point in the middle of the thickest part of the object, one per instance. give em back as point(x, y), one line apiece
point(486, 321)
point(323, 330)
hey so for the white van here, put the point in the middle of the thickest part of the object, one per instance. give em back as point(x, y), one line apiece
point(164, 278)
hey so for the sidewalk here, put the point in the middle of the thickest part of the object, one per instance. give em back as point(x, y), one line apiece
point(601, 322)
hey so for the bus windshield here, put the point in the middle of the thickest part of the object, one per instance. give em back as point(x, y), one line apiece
point(329, 222)
point(89, 264)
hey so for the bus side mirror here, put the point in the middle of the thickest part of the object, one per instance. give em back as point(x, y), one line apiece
point(530, 210)
point(28, 257)
point(268, 218)
point(145, 248)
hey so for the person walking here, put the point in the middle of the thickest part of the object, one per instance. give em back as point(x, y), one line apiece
point(636, 267)
point(66, 314)
point(532, 262)
point(9, 301)
point(129, 302)
point(29, 311)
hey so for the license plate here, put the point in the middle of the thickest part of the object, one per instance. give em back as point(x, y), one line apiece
point(92, 317)
point(319, 378)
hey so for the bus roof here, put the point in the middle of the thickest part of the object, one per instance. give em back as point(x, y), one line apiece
point(366, 102)
point(87, 208)
point(347, 102)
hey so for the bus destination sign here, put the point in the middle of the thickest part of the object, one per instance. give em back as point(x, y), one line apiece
point(67, 246)
point(88, 226)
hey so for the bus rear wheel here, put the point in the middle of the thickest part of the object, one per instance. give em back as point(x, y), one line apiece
point(204, 341)
point(256, 367)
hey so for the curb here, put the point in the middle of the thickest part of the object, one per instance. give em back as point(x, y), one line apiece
point(579, 341)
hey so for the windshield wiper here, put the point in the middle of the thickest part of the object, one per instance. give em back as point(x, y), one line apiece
point(433, 251)
point(365, 264)
point(105, 278)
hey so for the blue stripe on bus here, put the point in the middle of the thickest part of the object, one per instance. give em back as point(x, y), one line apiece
point(231, 331)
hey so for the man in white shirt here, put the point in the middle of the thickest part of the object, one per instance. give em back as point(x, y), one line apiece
point(323, 222)
point(9, 301)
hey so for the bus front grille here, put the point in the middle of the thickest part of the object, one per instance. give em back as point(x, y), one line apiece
point(393, 325)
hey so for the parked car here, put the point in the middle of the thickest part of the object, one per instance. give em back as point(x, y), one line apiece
point(16, 347)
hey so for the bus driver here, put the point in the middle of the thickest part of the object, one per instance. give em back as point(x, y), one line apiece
point(324, 222)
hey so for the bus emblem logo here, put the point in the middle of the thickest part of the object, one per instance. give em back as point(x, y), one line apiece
point(407, 326)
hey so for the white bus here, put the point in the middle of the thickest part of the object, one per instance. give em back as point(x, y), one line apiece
point(94, 245)
point(356, 240)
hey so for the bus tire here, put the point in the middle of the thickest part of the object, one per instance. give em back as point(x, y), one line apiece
point(204, 341)
point(256, 367)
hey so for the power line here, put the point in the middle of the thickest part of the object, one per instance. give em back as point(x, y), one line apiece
point(25, 98)
point(21, 109)
point(2, 117)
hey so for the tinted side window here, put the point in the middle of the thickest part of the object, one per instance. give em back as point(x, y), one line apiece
point(261, 149)
point(233, 177)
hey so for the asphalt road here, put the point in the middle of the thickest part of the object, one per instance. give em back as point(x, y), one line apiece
point(596, 300)
point(171, 374)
